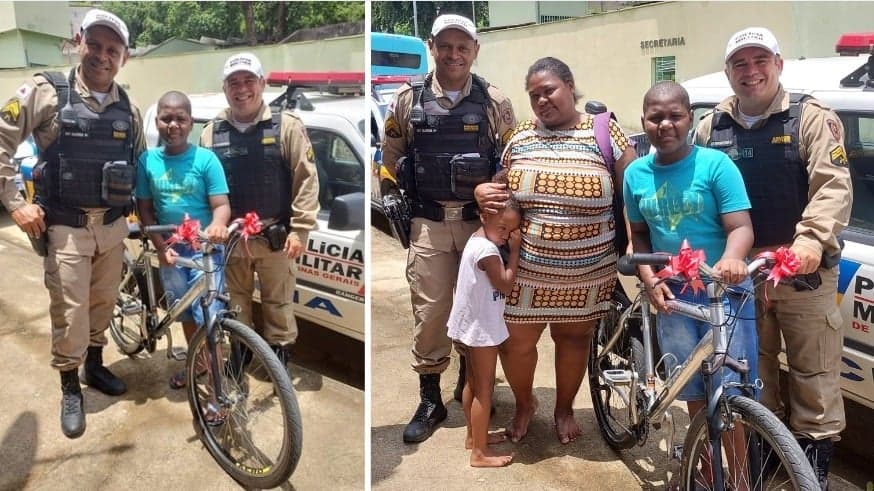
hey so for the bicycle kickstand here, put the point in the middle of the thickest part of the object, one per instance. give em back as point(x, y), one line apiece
point(173, 353)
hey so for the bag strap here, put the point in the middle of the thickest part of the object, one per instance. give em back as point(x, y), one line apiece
point(601, 126)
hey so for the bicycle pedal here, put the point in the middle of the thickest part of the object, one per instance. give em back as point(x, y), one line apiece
point(677, 451)
point(132, 309)
point(617, 376)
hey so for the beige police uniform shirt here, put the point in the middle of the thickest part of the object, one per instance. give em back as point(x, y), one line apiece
point(399, 129)
point(830, 195)
point(34, 110)
point(297, 152)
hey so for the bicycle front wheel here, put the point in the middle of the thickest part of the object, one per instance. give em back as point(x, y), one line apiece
point(610, 377)
point(758, 451)
point(253, 429)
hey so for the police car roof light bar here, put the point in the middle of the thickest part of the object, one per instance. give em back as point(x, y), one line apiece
point(334, 82)
point(853, 45)
point(389, 79)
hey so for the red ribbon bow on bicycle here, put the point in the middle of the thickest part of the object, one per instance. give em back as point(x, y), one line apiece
point(786, 264)
point(685, 264)
point(188, 231)
point(251, 226)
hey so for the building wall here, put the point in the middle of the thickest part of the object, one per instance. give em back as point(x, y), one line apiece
point(11, 49)
point(511, 13)
point(52, 18)
point(148, 78)
point(604, 51)
point(41, 50)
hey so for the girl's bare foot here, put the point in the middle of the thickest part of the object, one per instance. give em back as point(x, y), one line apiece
point(488, 459)
point(518, 426)
point(493, 438)
point(566, 427)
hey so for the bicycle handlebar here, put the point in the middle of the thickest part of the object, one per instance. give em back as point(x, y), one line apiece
point(233, 228)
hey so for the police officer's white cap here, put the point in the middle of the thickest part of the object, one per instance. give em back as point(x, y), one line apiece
point(97, 17)
point(243, 62)
point(452, 21)
point(751, 36)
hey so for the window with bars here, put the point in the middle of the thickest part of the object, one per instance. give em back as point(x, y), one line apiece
point(664, 68)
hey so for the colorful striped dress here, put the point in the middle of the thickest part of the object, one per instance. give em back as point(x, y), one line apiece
point(567, 264)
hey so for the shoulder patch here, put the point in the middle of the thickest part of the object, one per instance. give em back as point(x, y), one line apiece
point(24, 91)
point(392, 128)
point(834, 128)
point(311, 155)
point(11, 111)
point(838, 156)
point(506, 112)
point(507, 135)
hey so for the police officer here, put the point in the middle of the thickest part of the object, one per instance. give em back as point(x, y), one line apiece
point(89, 135)
point(447, 130)
point(791, 154)
point(268, 162)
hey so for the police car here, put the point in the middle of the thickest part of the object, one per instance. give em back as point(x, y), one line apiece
point(330, 273)
point(846, 84)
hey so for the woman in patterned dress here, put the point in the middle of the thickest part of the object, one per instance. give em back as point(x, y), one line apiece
point(567, 267)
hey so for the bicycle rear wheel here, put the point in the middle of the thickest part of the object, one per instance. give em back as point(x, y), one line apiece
point(126, 325)
point(254, 431)
point(764, 456)
point(610, 377)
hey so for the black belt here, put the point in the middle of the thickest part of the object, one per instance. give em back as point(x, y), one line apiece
point(74, 217)
point(439, 213)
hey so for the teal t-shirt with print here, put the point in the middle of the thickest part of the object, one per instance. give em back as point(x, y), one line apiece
point(180, 184)
point(685, 200)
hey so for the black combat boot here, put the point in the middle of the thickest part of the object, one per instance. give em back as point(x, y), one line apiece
point(819, 453)
point(72, 412)
point(462, 379)
point(99, 377)
point(430, 412)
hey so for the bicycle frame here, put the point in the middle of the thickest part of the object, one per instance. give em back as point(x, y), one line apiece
point(708, 356)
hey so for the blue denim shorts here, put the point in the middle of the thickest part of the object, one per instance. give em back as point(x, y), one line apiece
point(679, 335)
point(177, 280)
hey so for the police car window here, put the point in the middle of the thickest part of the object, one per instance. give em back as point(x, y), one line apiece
point(859, 143)
point(338, 167)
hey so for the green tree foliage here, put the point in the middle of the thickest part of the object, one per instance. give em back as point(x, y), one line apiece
point(155, 22)
point(397, 17)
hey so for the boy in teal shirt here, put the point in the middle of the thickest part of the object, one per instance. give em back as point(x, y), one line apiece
point(172, 181)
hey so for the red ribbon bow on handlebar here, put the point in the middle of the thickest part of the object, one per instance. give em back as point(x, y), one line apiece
point(685, 264)
point(251, 225)
point(786, 264)
point(188, 231)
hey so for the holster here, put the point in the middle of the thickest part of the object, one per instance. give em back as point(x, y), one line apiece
point(397, 209)
point(276, 236)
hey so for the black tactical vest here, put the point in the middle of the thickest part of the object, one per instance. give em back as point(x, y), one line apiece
point(775, 176)
point(92, 155)
point(258, 180)
point(442, 137)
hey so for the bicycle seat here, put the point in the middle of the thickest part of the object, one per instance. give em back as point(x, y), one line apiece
point(134, 232)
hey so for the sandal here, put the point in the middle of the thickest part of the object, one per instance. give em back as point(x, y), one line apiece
point(215, 416)
point(177, 381)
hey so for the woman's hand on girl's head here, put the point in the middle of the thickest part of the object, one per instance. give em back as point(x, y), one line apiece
point(491, 197)
point(731, 270)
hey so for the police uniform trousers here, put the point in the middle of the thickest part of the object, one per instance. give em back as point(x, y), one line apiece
point(276, 282)
point(811, 327)
point(82, 273)
point(432, 269)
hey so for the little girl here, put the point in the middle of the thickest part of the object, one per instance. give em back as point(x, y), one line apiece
point(476, 323)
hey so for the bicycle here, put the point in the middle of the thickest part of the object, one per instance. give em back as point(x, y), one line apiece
point(244, 405)
point(628, 395)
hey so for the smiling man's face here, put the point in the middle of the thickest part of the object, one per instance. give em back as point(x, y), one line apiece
point(243, 91)
point(754, 75)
